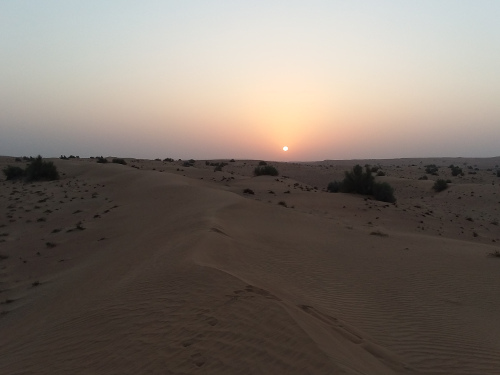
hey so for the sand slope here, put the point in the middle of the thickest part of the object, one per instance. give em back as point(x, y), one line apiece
point(184, 275)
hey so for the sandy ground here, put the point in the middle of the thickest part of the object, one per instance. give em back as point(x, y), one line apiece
point(159, 268)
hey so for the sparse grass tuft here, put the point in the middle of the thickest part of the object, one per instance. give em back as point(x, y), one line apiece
point(379, 233)
point(495, 254)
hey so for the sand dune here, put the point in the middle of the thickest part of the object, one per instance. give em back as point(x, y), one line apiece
point(169, 269)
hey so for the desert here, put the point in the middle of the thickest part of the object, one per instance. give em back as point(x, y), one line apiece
point(180, 267)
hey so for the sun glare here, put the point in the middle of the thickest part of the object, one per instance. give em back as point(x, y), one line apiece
point(285, 148)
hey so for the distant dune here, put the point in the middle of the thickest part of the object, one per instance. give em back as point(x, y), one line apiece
point(163, 268)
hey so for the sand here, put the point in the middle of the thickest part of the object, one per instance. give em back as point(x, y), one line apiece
point(158, 268)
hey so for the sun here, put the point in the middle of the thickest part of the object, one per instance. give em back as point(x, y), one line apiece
point(285, 148)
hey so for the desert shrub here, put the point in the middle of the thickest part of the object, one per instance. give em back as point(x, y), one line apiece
point(358, 182)
point(218, 168)
point(13, 173)
point(495, 254)
point(282, 203)
point(102, 160)
point(375, 169)
point(455, 171)
point(119, 161)
point(334, 186)
point(18, 159)
point(262, 163)
point(187, 164)
point(265, 170)
point(218, 164)
point(431, 169)
point(63, 157)
point(384, 192)
point(232, 161)
point(380, 173)
point(170, 160)
point(41, 170)
point(440, 185)
point(248, 191)
point(423, 178)
point(498, 173)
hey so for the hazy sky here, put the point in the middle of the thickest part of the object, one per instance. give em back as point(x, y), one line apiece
point(241, 79)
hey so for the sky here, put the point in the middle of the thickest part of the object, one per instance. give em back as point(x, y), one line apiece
point(242, 79)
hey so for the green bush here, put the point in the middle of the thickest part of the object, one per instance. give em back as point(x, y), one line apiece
point(358, 182)
point(119, 161)
point(384, 192)
point(41, 170)
point(334, 187)
point(455, 171)
point(265, 170)
point(432, 169)
point(13, 173)
point(102, 160)
point(440, 185)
